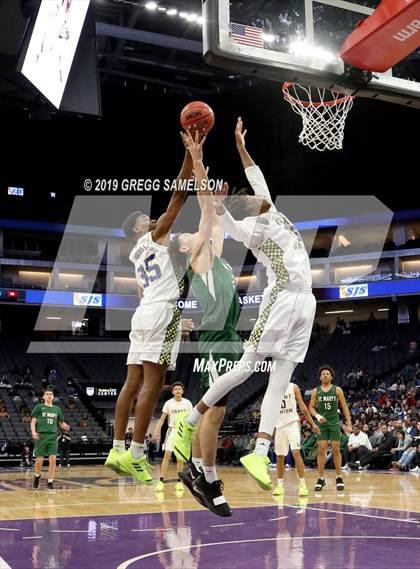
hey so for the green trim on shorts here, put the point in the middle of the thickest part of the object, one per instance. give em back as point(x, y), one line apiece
point(46, 445)
point(329, 432)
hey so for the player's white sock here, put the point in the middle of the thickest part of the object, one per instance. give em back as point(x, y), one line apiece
point(50, 481)
point(197, 462)
point(302, 481)
point(262, 446)
point(193, 417)
point(210, 473)
point(118, 445)
point(280, 481)
point(137, 450)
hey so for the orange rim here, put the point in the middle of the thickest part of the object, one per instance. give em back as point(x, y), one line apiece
point(292, 99)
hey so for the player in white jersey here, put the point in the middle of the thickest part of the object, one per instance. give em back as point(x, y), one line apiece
point(288, 434)
point(172, 407)
point(286, 314)
point(154, 338)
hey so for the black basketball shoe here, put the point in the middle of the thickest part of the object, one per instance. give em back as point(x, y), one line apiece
point(320, 483)
point(37, 480)
point(339, 483)
point(212, 496)
point(188, 475)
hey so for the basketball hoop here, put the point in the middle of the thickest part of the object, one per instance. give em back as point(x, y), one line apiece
point(323, 112)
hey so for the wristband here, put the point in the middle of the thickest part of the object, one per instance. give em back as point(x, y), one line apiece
point(318, 416)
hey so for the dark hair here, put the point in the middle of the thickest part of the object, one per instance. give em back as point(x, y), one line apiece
point(176, 384)
point(237, 203)
point(48, 388)
point(129, 223)
point(328, 368)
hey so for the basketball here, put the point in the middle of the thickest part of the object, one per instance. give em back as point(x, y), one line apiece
point(197, 115)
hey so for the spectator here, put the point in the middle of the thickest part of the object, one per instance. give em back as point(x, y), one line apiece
point(26, 457)
point(64, 440)
point(357, 448)
point(384, 447)
point(227, 450)
point(308, 445)
point(52, 376)
point(84, 422)
point(150, 446)
point(71, 403)
point(403, 441)
point(407, 457)
point(26, 418)
point(3, 413)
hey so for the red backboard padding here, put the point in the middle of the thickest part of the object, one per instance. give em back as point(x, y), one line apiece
point(385, 38)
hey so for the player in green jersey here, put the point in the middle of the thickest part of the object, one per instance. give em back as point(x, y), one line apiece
point(45, 418)
point(324, 407)
point(220, 346)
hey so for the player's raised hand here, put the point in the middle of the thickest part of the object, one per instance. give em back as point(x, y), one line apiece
point(221, 195)
point(240, 133)
point(195, 146)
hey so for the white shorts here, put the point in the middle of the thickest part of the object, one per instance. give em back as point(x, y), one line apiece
point(284, 325)
point(285, 436)
point(155, 334)
point(168, 444)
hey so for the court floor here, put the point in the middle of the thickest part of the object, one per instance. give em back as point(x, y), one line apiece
point(97, 520)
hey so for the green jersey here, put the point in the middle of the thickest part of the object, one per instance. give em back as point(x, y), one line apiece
point(327, 405)
point(216, 292)
point(47, 418)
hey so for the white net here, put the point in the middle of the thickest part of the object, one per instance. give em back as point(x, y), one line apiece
point(323, 113)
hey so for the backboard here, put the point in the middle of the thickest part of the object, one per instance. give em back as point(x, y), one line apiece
point(299, 41)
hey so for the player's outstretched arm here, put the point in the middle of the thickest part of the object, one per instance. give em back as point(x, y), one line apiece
point(179, 194)
point(304, 410)
point(345, 408)
point(252, 171)
point(240, 134)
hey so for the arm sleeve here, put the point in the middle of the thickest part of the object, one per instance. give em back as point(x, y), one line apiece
point(258, 184)
point(239, 230)
point(35, 412)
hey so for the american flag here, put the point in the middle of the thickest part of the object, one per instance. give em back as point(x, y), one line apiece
point(247, 35)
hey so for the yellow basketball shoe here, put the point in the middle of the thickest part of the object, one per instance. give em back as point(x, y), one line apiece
point(113, 462)
point(183, 439)
point(303, 489)
point(279, 490)
point(138, 469)
point(160, 486)
point(257, 466)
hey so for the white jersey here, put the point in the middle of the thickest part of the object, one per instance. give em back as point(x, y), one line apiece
point(272, 238)
point(288, 410)
point(172, 407)
point(155, 273)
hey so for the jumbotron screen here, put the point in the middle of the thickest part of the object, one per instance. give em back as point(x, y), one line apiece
point(53, 45)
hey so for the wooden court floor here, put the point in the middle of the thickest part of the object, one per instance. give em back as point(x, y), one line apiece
point(95, 519)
